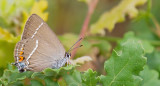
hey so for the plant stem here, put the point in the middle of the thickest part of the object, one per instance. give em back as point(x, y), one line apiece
point(91, 7)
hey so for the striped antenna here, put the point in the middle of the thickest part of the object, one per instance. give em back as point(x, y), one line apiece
point(74, 45)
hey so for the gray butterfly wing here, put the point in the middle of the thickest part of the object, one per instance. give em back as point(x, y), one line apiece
point(34, 54)
point(49, 48)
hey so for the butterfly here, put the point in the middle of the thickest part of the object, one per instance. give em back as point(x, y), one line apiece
point(39, 47)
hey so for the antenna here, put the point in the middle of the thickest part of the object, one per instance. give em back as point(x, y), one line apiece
point(74, 45)
point(75, 48)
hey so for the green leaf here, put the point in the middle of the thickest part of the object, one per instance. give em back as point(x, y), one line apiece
point(90, 78)
point(50, 82)
point(124, 65)
point(38, 74)
point(53, 72)
point(11, 76)
point(18, 83)
point(60, 71)
point(116, 15)
point(73, 79)
point(150, 77)
point(137, 80)
point(153, 60)
point(36, 83)
point(148, 48)
point(62, 82)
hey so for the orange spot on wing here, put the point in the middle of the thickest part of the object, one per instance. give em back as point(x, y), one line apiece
point(21, 58)
point(21, 53)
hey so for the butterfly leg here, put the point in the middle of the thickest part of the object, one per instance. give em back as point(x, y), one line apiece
point(69, 62)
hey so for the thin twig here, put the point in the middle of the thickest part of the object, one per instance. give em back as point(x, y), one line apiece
point(91, 7)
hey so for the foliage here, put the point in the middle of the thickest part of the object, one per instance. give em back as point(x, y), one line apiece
point(150, 77)
point(148, 48)
point(117, 14)
point(154, 60)
point(7, 39)
point(51, 77)
point(126, 62)
point(10, 9)
point(7, 42)
point(131, 60)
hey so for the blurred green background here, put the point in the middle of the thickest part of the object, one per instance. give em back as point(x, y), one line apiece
point(66, 18)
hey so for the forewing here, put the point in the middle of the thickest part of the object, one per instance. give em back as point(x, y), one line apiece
point(44, 33)
point(49, 47)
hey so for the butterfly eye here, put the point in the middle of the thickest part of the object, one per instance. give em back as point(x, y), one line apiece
point(68, 55)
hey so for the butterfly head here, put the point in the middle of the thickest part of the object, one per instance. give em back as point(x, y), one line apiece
point(67, 55)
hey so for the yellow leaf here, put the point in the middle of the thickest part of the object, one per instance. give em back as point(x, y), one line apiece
point(5, 35)
point(117, 14)
point(81, 60)
point(39, 8)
